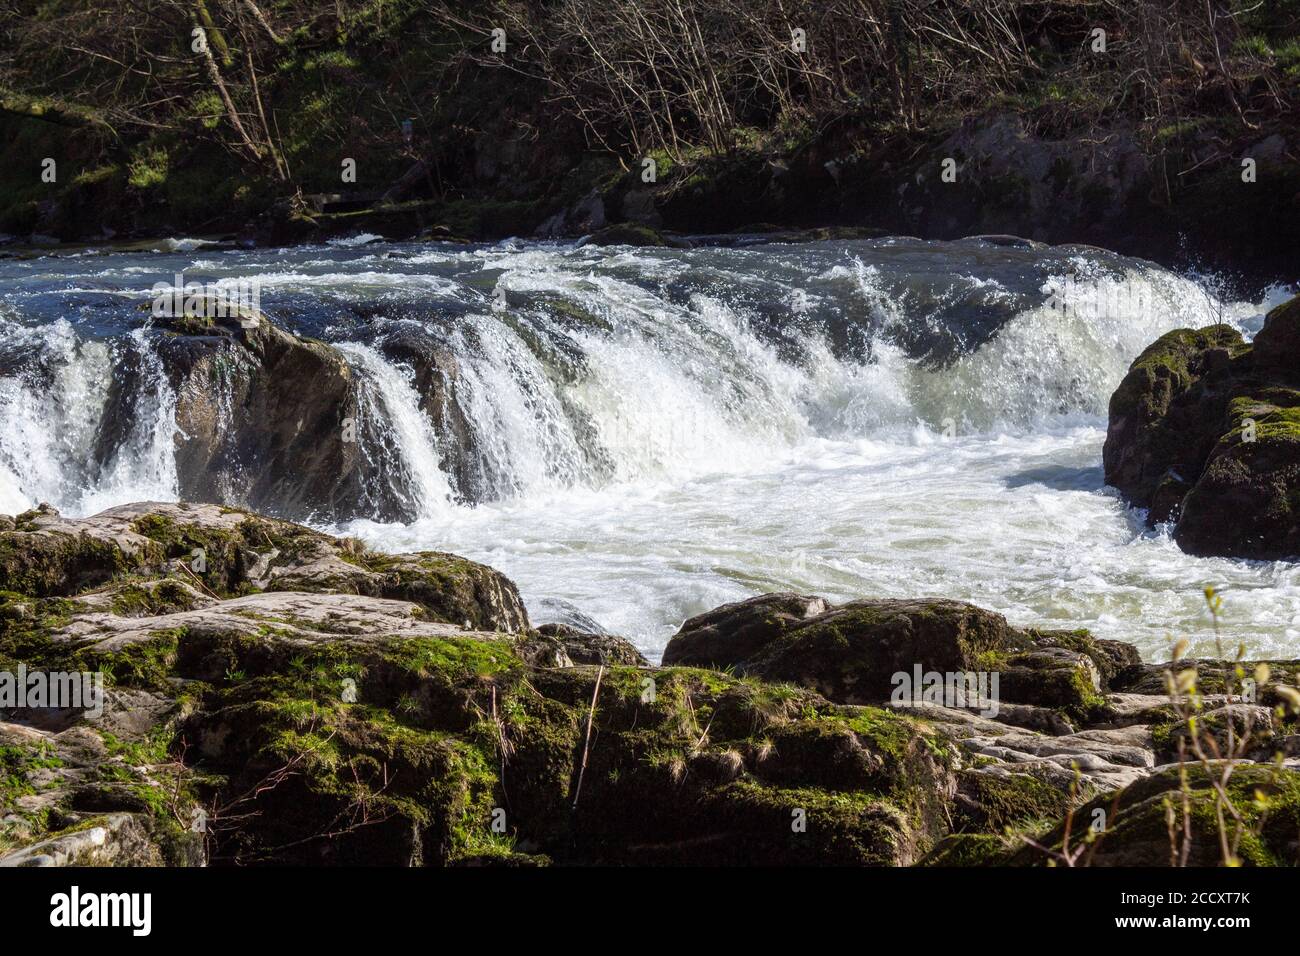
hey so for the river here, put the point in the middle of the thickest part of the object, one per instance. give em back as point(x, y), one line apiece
point(654, 432)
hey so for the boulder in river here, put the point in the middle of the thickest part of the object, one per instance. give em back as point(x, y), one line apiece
point(1205, 433)
point(284, 424)
point(854, 653)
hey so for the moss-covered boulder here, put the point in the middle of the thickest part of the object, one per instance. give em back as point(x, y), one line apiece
point(562, 645)
point(419, 744)
point(733, 633)
point(1205, 432)
point(865, 651)
point(1183, 816)
point(224, 552)
point(274, 695)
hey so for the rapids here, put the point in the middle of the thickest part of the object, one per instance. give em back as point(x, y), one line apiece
point(653, 432)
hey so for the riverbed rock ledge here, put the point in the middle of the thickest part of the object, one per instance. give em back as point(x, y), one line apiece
point(274, 695)
point(1205, 433)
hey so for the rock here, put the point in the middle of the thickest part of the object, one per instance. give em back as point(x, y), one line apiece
point(639, 207)
point(1278, 342)
point(569, 644)
point(1125, 710)
point(96, 792)
point(332, 724)
point(1245, 503)
point(584, 216)
point(1051, 677)
point(1139, 832)
point(1214, 680)
point(1205, 432)
point(235, 551)
point(249, 435)
point(997, 796)
point(1044, 720)
point(117, 839)
point(853, 653)
point(1109, 657)
point(1156, 410)
point(1103, 763)
point(731, 634)
point(1252, 728)
point(436, 378)
point(312, 702)
point(296, 617)
point(629, 234)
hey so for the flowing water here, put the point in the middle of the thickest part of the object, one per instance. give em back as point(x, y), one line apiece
point(653, 432)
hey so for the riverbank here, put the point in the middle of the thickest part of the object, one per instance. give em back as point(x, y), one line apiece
point(309, 123)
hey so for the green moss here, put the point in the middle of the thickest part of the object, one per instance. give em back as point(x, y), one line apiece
point(17, 762)
point(1012, 801)
point(1087, 699)
point(40, 565)
point(148, 168)
point(454, 657)
point(968, 849)
point(1275, 412)
point(152, 598)
point(1267, 800)
point(1169, 356)
point(143, 664)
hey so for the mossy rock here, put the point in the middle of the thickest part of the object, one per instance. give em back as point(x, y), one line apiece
point(631, 234)
point(160, 555)
point(1137, 821)
point(1156, 405)
point(311, 745)
point(854, 653)
point(990, 801)
point(1205, 432)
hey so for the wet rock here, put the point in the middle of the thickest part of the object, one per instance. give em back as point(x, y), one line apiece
point(565, 643)
point(630, 234)
point(250, 435)
point(1205, 432)
point(733, 633)
point(436, 378)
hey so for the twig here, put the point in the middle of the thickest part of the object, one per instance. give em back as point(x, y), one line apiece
point(186, 569)
point(586, 746)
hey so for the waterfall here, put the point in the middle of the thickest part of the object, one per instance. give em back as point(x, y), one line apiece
point(576, 368)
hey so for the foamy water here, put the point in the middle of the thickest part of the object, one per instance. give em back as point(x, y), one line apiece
point(656, 432)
